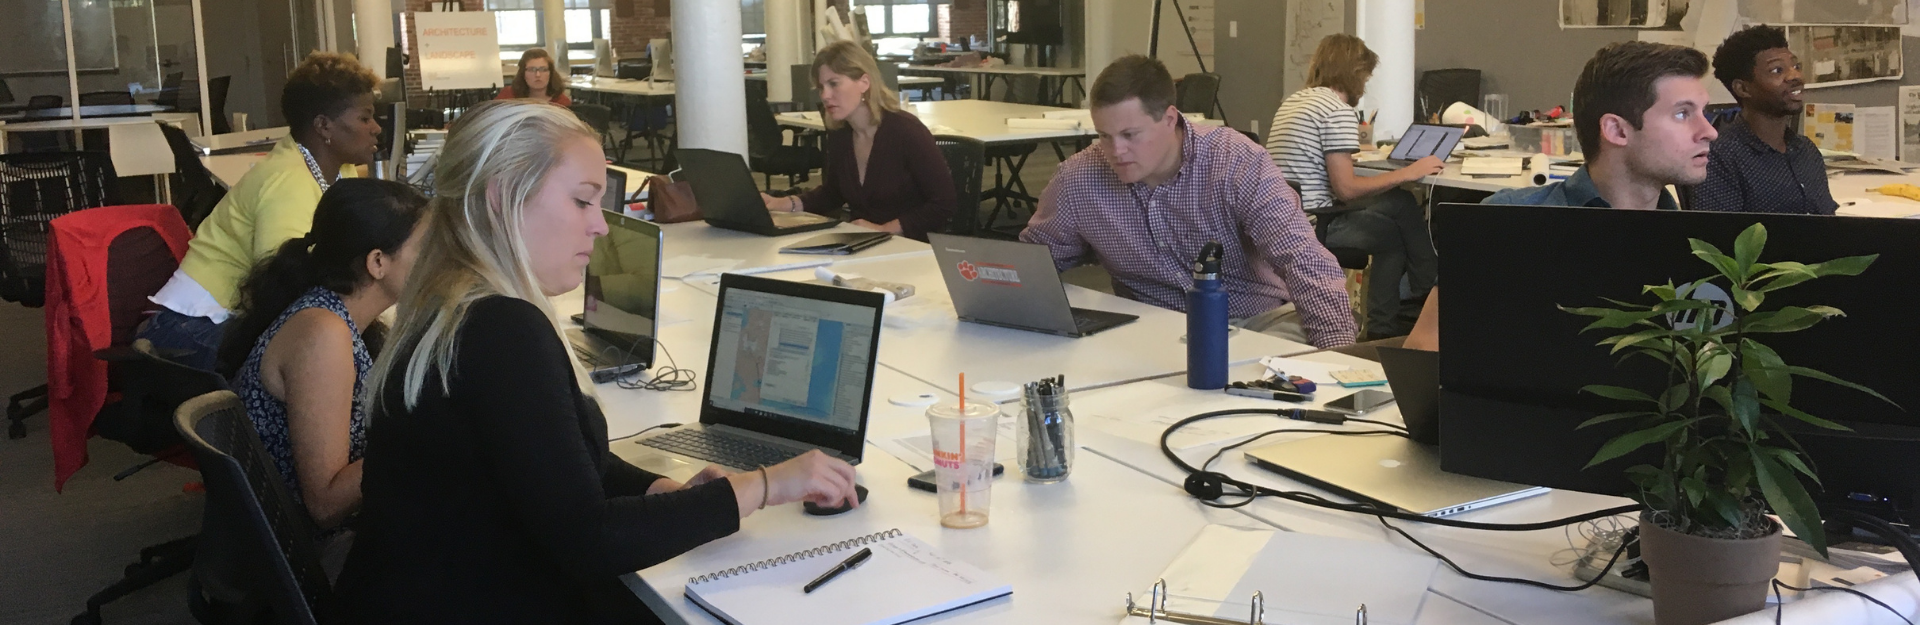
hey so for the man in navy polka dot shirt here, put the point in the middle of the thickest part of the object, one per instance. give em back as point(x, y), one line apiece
point(1759, 164)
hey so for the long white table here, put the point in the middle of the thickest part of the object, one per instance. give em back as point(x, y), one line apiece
point(1071, 550)
point(1058, 75)
point(622, 86)
point(978, 119)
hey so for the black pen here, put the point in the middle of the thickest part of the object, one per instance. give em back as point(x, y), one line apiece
point(843, 567)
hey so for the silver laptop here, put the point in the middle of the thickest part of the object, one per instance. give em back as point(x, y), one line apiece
point(790, 369)
point(1421, 141)
point(1390, 470)
point(622, 300)
point(1013, 285)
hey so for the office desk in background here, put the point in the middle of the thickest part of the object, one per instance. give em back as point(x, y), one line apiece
point(87, 112)
point(978, 119)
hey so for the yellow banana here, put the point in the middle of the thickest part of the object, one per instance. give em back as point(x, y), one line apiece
point(1899, 190)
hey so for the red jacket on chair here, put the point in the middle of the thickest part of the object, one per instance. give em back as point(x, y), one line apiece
point(79, 320)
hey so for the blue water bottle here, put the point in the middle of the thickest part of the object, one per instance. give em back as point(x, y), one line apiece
point(1207, 322)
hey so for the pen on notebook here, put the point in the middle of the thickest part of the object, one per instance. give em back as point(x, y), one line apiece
point(844, 566)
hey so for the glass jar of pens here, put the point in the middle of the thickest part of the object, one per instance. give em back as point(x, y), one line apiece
point(1044, 435)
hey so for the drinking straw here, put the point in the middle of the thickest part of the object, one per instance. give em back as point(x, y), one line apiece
point(963, 442)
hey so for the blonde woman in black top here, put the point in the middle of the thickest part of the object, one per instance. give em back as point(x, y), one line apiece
point(490, 495)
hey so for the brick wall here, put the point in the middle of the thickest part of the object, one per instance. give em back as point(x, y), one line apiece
point(968, 17)
point(647, 20)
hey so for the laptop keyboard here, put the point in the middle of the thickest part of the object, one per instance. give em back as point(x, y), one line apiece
point(731, 451)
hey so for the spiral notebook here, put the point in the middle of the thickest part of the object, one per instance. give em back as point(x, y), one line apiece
point(905, 579)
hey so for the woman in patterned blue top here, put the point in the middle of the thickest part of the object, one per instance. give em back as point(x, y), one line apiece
point(297, 355)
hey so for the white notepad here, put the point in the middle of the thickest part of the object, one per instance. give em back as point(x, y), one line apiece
point(905, 579)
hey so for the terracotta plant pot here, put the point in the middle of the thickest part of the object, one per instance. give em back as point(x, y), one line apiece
point(1700, 580)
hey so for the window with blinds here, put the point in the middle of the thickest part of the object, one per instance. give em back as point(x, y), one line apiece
point(904, 18)
point(521, 25)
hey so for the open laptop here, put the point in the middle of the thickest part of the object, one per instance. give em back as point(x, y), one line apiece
point(1389, 470)
point(790, 369)
point(1421, 141)
point(1014, 285)
point(614, 198)
point(729, 199)
point(622, 313)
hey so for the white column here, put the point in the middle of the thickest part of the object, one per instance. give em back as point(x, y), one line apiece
point(788, 44)
point(555, 12)
point(373, 32)
point(1387, 27)
point(1116, 28)
point(710, 101)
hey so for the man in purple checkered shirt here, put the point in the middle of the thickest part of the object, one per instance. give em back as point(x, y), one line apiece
point(1155, 189)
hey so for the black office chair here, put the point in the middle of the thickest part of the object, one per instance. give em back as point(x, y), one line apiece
point(1009, 192)
point(767, 151)
point(599, 118)
point(966, 160)
point(653, 125)
point(804, 96)
point(635, 69)
point(106, 98)
point(170, 90)
point(1197, 93)
point(1440, 88)
point(45, 102)
point(6, 95)
point(195, 191)
point(189, 101)
point(1353, 260)
point(257, 561)
point(35, 188)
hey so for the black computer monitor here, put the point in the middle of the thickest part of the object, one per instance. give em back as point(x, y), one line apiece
point(1512, 363)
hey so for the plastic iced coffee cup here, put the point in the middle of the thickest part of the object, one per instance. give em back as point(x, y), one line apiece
point(963, 441)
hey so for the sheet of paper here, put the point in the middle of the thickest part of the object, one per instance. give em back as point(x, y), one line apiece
point(1302, 578)
point(1910, 122)
point(1830, 126)
point(139, 150)
point(1874, 128)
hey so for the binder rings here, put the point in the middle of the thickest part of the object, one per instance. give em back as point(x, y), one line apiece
point(905, 579)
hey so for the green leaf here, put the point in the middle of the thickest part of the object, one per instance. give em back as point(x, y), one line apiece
point(1624, 341)
point(1789, 499)
point(1616, 392)
point(1849, 266)
point(1746, 405)
point(1626, 443)
point(1616, 416)
point(1662, 291)
point(1726, 508)
point(1817, 375)
point(1803, 416)
point(1714, 365)
point(1769, 374)
point(1788, 319)
point(1791, 460)
point(1747, 246)
point(1748, 300)
point(1618, 319)
point(1694, 488)
point(1674, 398)
point(1725, 264)
point(1720, 395)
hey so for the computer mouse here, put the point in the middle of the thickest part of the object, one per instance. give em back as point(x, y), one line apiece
point(819, 510)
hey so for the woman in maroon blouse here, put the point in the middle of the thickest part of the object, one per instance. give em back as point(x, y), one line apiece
point(881, 160)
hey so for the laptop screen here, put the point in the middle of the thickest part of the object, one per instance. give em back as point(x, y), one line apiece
point(1423, 140)
point(623, 285)
point(615, 199)
point(793, 359)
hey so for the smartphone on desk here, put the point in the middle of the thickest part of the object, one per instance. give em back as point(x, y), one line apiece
point(1361, 402)
point(924, 480)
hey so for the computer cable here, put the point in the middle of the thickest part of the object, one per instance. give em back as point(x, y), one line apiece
point(642, 432)
point(1209, 486)
point(1780, 607)
point(667, 377)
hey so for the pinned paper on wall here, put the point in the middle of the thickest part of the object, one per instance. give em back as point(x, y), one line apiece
point(1420, 14)
point(1910, 123)
point(1875, 132)
point(1830, 126)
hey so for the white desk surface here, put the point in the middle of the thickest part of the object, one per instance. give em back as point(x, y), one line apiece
point(1850, 190)
point(1512, 554)
point(1071, 72)
point(980, 119)
point(623, 86)
point(904, 80)
point(755, 252)
point(635, 178)
point(925, 340)
point(1449, 178)
point(1071, 550)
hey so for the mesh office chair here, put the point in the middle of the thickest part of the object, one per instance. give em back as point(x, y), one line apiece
point(599, 118)
point(1197, 93)
point(35, 188)
point(257, 561)
point(767, 151)
point(106, 98)
point(195, 191)
point(966, 160)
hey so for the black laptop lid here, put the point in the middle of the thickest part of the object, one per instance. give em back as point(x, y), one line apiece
point(1414, 375)
point(724, 189)
point(794, 360)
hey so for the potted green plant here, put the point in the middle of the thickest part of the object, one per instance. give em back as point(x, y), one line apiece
point(1726, 458)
